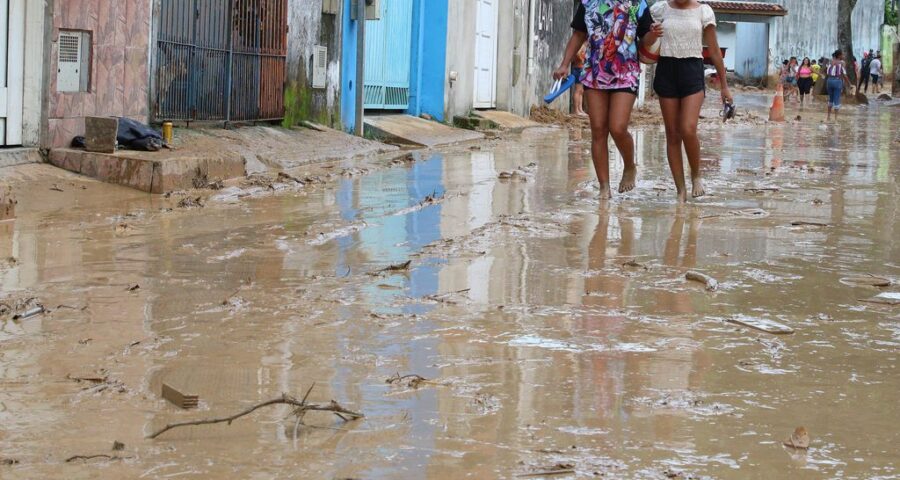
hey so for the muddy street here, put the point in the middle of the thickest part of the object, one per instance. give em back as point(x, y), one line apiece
point(488, 316)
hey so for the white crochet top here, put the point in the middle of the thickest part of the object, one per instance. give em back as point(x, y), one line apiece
point(682, 29)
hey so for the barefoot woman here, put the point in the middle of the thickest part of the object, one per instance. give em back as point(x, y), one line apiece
point(610, 77)
point(680, 83)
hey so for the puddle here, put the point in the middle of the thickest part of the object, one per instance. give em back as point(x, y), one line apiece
point(545, 320)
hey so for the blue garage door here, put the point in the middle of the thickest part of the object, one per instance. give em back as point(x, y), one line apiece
point(388, 56)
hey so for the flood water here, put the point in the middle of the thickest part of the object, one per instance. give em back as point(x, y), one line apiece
point(543, 348)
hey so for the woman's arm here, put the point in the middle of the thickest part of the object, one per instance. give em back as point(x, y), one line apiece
point(575, 42)
point(715, 53)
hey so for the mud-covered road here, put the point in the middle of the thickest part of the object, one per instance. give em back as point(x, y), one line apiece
point(558, 334)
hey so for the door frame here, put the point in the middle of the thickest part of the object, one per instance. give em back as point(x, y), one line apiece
point(496, 40)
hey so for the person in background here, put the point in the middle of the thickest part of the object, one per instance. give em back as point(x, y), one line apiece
point(793, 67)
point(837, 78)
point(804, 79)
point(611, 77)
point(686, 25)
point(816, 69)
point(578, 96)
point(877, 73)
point(863, 77)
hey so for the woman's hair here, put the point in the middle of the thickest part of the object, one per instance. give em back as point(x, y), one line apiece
point(837, 54)
point(805, 62)
point(785, 62)
point(814, 62)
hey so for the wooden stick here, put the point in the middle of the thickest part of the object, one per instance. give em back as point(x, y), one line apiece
point(302, 408)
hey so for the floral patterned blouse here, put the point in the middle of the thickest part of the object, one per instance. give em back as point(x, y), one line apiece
point(613, 28)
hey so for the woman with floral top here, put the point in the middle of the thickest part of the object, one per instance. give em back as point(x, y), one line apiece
point(610, 77)
point(680, 82)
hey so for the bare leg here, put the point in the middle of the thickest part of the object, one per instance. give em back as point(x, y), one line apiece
point(620, 106)
point(687, 125)
point(578, 99)
point(671, 110)
point(598, 110)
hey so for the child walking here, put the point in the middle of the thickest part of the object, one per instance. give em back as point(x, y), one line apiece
point(680, 83)
point(610, 77)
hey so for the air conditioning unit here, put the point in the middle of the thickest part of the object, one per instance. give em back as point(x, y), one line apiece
point(373, 9)
point(320, 67)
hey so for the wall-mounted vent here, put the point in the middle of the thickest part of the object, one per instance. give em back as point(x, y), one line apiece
point(320, 67)
point(74, 67)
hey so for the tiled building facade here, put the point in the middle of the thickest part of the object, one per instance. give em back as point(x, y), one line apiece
point(118, 84)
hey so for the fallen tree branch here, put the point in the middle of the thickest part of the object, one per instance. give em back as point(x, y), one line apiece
point(301, 409)
point(91, 457)
point(711, 283)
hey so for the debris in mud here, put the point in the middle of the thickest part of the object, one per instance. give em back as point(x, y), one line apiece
point(122, 227)
point(711, 283)
point(353, 172)
point(763, 324)
point(300, 410)
point(101, 378)
point(9, 461)
point(118, 446)
point(886, 298)
point(411, 381)
point(558, 469)
point(104, 456)
point(799, 439)
point(289, 178)
point(191, 202)
point(447, 297)
point(762, 189)
point(180, 400)
point(134, 288)
point(31, 312)
point(400, 267)
point(818, 201)
point(56, 188)
point(202, 182)
point(634, 264)
point(804, 223)
point(669, 473)
point(403, 160)
point(746, 213)
point(867, 281)
point(521, 174)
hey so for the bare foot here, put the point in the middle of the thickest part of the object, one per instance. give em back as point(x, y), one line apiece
point(605, 192)
point(681, 196)
point(697, 189)
point(629, 175)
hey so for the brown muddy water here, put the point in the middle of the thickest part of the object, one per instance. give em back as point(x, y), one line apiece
point(545, 349)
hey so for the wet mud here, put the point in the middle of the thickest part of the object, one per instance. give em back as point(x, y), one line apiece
point(490, 318)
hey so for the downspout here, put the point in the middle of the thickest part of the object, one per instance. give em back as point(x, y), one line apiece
point(531, 14)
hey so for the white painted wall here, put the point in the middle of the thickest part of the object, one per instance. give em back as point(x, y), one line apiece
point(33, 112)
point(727, 34)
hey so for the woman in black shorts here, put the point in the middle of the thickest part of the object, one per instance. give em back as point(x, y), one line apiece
point(680, 83)
point(804, 79)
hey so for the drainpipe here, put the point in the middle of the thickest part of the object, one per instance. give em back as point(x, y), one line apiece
point(531, 7)
point(360, 64)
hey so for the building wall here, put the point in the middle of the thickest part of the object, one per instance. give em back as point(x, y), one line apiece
point(307, 28)
point(750, 54)
point(531, 38)
point(727, 36)
point(119, 82)
point(810, 28)
point(428, 56)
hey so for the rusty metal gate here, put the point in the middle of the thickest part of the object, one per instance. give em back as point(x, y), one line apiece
point(220, 60)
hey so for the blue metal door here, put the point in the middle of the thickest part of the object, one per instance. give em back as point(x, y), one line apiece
point(388, 56)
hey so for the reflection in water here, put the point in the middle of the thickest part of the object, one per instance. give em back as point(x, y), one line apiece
point(545, 348)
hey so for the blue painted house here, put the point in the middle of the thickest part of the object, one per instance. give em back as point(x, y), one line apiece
point(405, 59)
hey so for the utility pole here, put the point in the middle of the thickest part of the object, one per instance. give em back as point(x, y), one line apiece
point(360, 64)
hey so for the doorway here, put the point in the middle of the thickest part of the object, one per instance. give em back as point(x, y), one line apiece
point(486, 26)
point(12, 70)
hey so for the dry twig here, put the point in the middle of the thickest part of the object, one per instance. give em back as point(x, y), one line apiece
point(301, 409)
point(91, 457)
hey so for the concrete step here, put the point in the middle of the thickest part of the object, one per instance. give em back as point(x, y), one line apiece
point(409, 130)
point(19, 156)
point(506, 120)
point(474, 123)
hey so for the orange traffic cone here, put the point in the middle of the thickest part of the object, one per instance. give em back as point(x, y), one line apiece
point(776, 113)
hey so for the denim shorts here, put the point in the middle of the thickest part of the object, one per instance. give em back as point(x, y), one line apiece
point(835, 87)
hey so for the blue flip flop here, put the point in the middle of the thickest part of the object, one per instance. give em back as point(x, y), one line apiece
point(560, 87)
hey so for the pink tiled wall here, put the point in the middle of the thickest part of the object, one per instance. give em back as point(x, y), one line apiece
point(120, 31)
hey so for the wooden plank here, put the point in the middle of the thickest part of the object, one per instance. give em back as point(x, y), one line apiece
point(179, 399)
point(763, 324)
point(15, 72)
